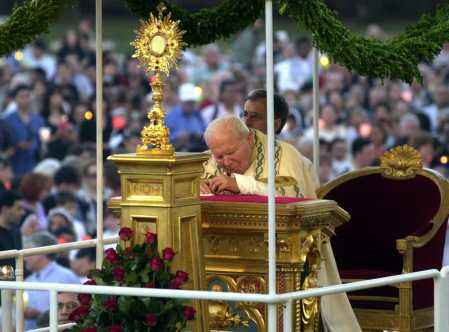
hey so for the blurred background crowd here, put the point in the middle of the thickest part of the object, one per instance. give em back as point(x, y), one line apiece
point(47, 125)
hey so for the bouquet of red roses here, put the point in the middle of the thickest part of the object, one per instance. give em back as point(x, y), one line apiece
point(140, 265)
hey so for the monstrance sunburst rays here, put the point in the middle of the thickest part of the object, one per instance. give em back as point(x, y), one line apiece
point(157, 47)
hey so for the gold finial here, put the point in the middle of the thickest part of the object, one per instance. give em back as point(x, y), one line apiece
point(402, 162)
point(157, 47)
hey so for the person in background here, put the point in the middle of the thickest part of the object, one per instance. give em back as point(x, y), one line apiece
point(67, 302)
point(255, 111)
point(43, 268)
point(34, 187)
point(363, 153)
point(6, 175)
point(227, 104)
point(83, 262)
point(340, 158)
point(24, 127)
point(10, 215)
point(185, 122)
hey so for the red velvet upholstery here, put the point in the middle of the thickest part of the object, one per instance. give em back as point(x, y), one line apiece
point(384, 210)
point(250, 199)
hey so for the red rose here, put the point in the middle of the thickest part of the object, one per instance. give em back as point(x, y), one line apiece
point(110, 304)
point(115, 328)
point(156, 264)
point(149, 285)
point(90, 282)
point(89, 329)
point(118, 273)
point(111, 256)
point(184, 276)
point(189, 313)
point(175, 283)
point(150, 238)
point(125, 233)
point(168, 254)
point(79, 313)
point(84, 299)
point(151, 319)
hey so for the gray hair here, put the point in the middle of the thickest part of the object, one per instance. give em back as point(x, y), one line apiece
point(226, 124)
point(39, 239)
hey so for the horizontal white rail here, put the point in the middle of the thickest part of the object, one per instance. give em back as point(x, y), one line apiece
point(441, 293)
point(226, 296)
point(359, 285)
point(60, 328)
point(56, 248)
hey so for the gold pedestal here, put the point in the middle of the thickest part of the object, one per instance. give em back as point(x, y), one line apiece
point(162, 195)
point(235, 238)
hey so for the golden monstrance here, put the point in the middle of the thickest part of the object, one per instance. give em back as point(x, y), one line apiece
point(157, 47)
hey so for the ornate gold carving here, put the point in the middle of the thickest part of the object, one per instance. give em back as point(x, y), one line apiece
point(158, 46)
point(401, 162)
point(232, 245)
point(145, 190)
point(220, 312)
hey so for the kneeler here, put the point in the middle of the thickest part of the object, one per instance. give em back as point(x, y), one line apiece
point(336, 312)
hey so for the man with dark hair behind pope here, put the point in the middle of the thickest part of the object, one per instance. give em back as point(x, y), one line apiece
point(239, 165)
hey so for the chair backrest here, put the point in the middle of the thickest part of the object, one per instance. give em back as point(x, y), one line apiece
point(386, 203)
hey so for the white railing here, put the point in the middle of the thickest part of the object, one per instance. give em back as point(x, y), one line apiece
point(19, 255)
point(441, 287)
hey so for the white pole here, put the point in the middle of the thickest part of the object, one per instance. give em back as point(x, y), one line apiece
point(99, 123)
point(53, 311)
point(20, 319)
point(316, 112)
point(288, 316)
point(441, 299)
point(272, 315)
point(7, 310)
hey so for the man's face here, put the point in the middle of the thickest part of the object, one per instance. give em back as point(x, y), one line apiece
point(231, 152)
point(367, 155)
point(339, 150)
point(67, 302)
point(255, 116)
point(23, 99)
point(188, 107)
point(82, 266)
point(32, 262)
point(13, 214)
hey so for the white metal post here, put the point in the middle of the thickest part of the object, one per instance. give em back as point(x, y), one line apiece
point(288, 316)
point(316, 111)
point(19, 272)
point(99, 125)
point(7, 310)
point(272, 315)
point(441, 301)
point(53, 310)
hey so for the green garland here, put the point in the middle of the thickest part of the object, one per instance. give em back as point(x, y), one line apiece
point(26, 22)
point(396, 58)
point(206, 25)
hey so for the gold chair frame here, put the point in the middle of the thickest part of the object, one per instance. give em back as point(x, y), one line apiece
point(400, 163)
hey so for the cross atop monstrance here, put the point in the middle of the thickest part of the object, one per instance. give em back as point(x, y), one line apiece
point(157, 47)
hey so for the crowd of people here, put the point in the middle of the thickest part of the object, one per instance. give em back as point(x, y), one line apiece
point(48, 135)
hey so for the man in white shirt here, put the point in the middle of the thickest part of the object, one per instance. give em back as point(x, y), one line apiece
point(43, 269)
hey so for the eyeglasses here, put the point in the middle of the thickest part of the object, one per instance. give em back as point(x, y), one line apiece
point(68, 305)
point(249, 115)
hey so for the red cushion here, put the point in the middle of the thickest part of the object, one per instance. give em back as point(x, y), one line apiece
point(250, 199)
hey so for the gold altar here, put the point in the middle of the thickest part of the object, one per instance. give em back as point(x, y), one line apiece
point(236, 259)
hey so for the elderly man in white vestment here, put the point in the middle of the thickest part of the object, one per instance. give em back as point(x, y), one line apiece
point(239, 165)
